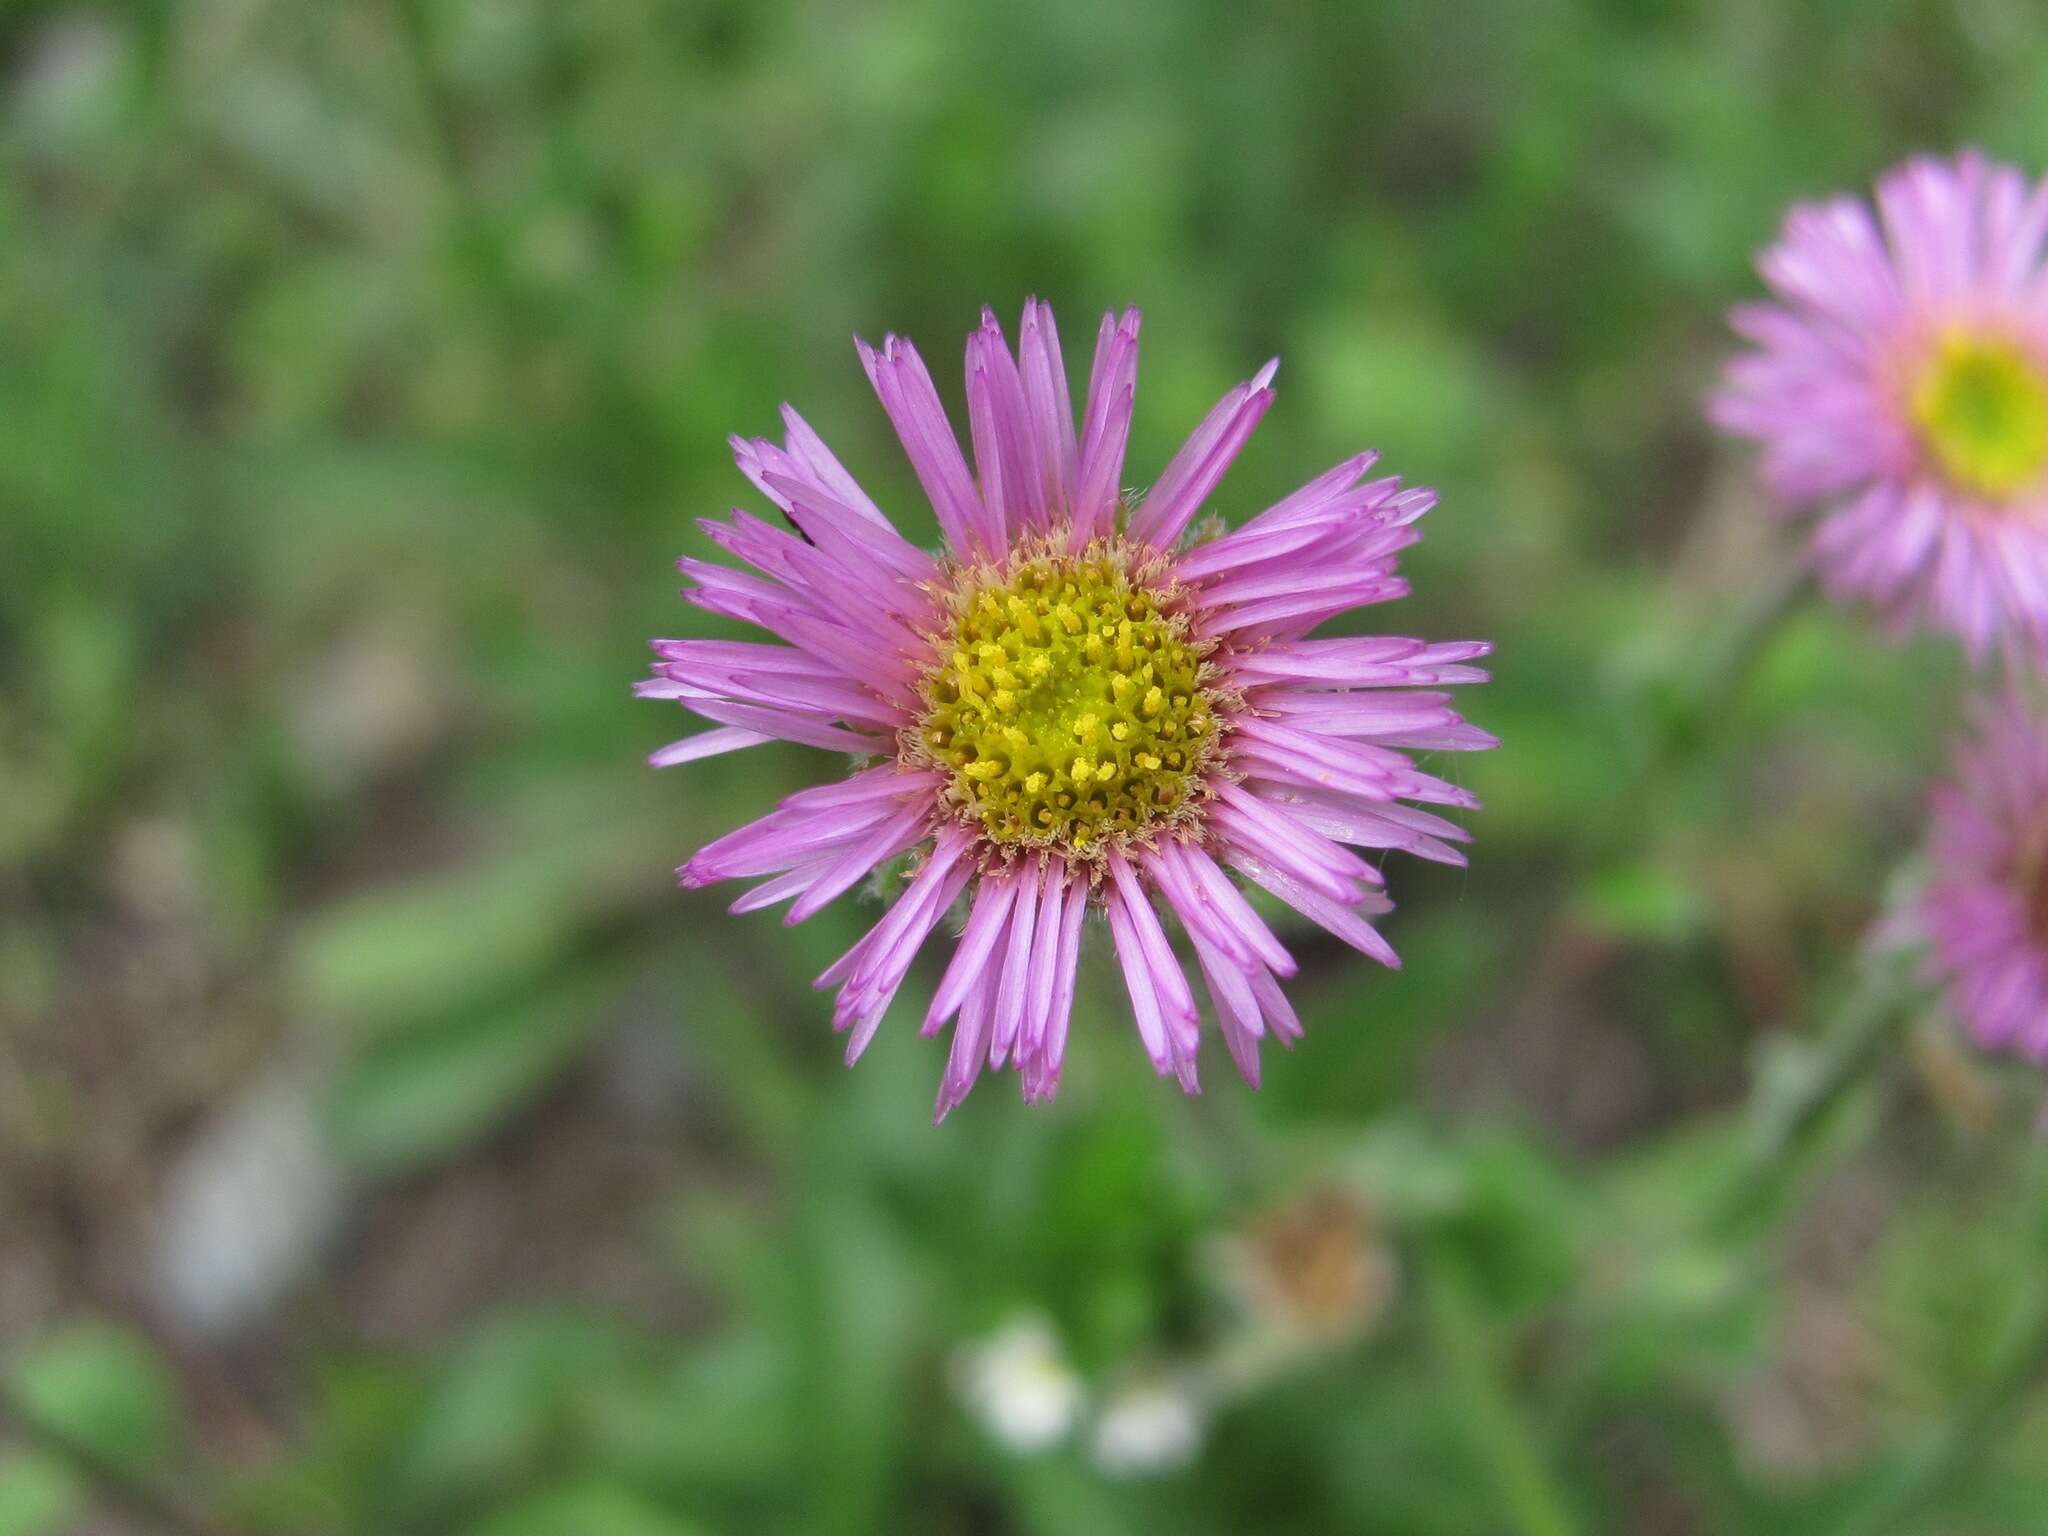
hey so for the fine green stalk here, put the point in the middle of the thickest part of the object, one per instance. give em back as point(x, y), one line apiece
point(1789, 1112)
point(1500, 1436)
point(1723, 663)
point(161, 1508)
point(1698, 687)
point(1945, 1453)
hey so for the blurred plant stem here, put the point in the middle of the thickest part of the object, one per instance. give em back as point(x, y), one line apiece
point(1696, 683)
point(1500, 1437)
point(1939, 1458)
point(444, 138)
point(157, 1507)
point(1793, 1101)
point(473, 245)
point(1716, 671)
point(1244, 1158)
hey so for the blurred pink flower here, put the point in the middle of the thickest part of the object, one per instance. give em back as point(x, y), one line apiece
point(1069, 707)
point(1900, 385)
point(1986, 908)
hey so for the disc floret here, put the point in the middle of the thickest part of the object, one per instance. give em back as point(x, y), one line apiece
point(1981, 406)
point(2032, 880)
point(1072, 708)
point(1070, 711)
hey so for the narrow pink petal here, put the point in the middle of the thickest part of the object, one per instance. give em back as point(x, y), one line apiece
point(1052, 410)
point(789, 726)
point(1013, 997)
point(912, 404)
point(809, 450)
point(970, 1047)
point(887, 781)
point(1237, 1009)
point(1234, 911)
point(706, 744)
point(670, 688)
point(873, 970)
point(1266, 749)
point(1294, 856)
point(1277, 830)
point(1005, 453)
point(827, 699)
point(872, 952)
point(1297, 578)
point(1377, 824)
point(1169, 982)
point(779, 887)
point(987, 924)
point(1196, 469)
point(1299, 612)
point(1106, 430)
point(861, 597)
point(897, 836)
point(1361, 663)
point(1040, 979)
point(780, 839)
point(748, 655)
point(1137, 970)
point(1281, 1020)
point(1191, 904)
point(1345, 922)
point(891, 674)
point(842, 530)
point(1042, 1075)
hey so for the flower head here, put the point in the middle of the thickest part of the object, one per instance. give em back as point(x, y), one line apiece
point(1900, 384)
point(1316, 1270)
point(1152, 1427)
point(1018, 1383)
point(1986, 907)
point(1069, 708)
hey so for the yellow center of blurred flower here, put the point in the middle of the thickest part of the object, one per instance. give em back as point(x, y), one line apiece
point(2034, 892)
point(1072, 710)
point(1981, 405)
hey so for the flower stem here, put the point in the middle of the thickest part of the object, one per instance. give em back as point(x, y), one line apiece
point(166, 1509)
point(1931, 1465)
point(1501, 1436)
point(1791, 1106)
point(1697, 686)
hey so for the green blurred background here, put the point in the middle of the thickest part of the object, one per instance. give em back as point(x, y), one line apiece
point(386, 1146)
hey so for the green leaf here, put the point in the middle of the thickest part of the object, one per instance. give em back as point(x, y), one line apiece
point(102, 1387)
point(1642, 902)
point(503, 1401)
point(415, 953)
point(718, 1416)
point(593, 1506)
point(419, 1095)
point(39, 1496)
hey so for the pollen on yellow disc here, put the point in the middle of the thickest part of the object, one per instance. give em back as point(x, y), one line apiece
point(1980, 404)
point(1072, 709)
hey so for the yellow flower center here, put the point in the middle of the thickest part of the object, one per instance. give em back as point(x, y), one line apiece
point(2037, 906)
point(1072, 710)
point(1981, 405)
point(2033, 889)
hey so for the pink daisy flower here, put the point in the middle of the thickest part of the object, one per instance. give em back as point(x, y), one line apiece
point(1069, 708)
point(1900, 384)
point(1986, 908)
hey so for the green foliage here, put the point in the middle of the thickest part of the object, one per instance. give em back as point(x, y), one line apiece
point(38, 1494)
point(361, 371)
point(100, 1388)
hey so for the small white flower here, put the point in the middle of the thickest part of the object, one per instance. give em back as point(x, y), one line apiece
point(247, 1207)
point(1150, 1427)
point(1019, 1385)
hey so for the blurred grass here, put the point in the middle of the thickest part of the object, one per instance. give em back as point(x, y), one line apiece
point(362, 370)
